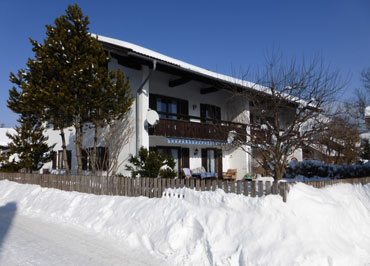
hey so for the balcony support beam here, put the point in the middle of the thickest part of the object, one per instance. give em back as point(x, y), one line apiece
point(178, 82)
point(208, 90)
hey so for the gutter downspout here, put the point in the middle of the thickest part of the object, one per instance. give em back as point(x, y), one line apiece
point(139, 111)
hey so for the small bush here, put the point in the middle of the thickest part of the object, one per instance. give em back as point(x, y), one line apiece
point(313, 168)
point(151, 164)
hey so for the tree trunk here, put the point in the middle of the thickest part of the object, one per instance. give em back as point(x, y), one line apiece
point(78, 142)
point(64, 147)
point(94, 164)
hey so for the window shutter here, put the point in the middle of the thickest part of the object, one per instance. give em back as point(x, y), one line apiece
point(84, 159)
point(185, 158)
point(54, 160)
point(203, 111)
point(69, 159)
point(152, 102)
point(219, 162)
point(60, 160)
point(184, 109)
point(217, 113)
point(204, 159)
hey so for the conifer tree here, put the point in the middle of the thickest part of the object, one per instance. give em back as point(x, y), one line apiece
point(365, 150)
point(69, 71)
point(151, 164)
point(29, 144)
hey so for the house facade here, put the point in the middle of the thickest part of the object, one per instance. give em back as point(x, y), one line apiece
point(4, 139)
point(198, 117)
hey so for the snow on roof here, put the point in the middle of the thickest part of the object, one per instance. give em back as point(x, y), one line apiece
point(365, 136)
point(367, 111)
point(200, 71)
point(4, 140)
point(158, 56)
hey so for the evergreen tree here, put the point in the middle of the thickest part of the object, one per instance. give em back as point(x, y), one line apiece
point(150, 164)
point(29, 145)
point(63, 83)
point(365, 150)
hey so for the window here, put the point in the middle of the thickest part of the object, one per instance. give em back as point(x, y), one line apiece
point(211, 112)
point(168, 107)
point(212, 160)
point(102, 158)
point(180, 156)
point(173, 152)
point(58, 160)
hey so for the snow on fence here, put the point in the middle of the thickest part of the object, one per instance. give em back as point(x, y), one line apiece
point(155, 187)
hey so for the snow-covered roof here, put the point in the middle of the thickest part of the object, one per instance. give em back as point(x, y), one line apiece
point(139, 50)
point(367, 112)
point(4, 140)
point(365, 136)
point(161, 57)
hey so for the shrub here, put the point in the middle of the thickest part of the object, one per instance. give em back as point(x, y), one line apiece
point(151, 164)
point(313, 168)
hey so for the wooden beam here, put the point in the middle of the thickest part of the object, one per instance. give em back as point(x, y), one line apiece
point(178, 82)
point(126, 61)
point(208, 90)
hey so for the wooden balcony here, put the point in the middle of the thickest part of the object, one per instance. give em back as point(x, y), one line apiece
point(205, 130)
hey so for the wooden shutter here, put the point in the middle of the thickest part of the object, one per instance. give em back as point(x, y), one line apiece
point(185, 158)
point(204, 159)
point(152, 101)
point(69, 159)
point(54, 154)
point(183, 109)
point(203, 112)
point(84, 159)
point(218, 159)
point(217, 113)
point(60, 160)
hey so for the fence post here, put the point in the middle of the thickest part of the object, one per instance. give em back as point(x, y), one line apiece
point(226, 186)
point(246, 188)
point(260, 188)
point(220, 183)
point(197, 185)
point(202, 185)
point(268, 187)
point(213, 184)
point(253, 189)
point(283, 190)
point(232, 184)
point(275, 189)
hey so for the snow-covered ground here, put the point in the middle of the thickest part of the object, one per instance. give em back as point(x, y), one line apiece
point(330, 226)
point(32, 241)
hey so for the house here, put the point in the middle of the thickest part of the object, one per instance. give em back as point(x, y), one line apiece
point(197, 117)
point(4, 139)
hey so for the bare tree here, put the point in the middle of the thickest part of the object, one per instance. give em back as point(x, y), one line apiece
point(355, 106)
point(365, 77)
point(288, 103)
point(113, 139)
point(339, 142)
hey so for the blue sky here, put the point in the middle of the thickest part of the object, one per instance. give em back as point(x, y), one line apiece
point(217, 35)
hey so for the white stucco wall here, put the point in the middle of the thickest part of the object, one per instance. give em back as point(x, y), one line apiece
point(232, 108)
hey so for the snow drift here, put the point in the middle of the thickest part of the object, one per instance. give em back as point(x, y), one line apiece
point(330, 226)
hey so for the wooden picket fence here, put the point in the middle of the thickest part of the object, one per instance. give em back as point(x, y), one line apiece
point(155, 187)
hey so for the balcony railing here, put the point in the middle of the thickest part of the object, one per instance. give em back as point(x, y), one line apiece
point(205, 129)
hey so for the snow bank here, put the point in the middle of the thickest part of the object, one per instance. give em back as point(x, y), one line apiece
point(330, 226)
